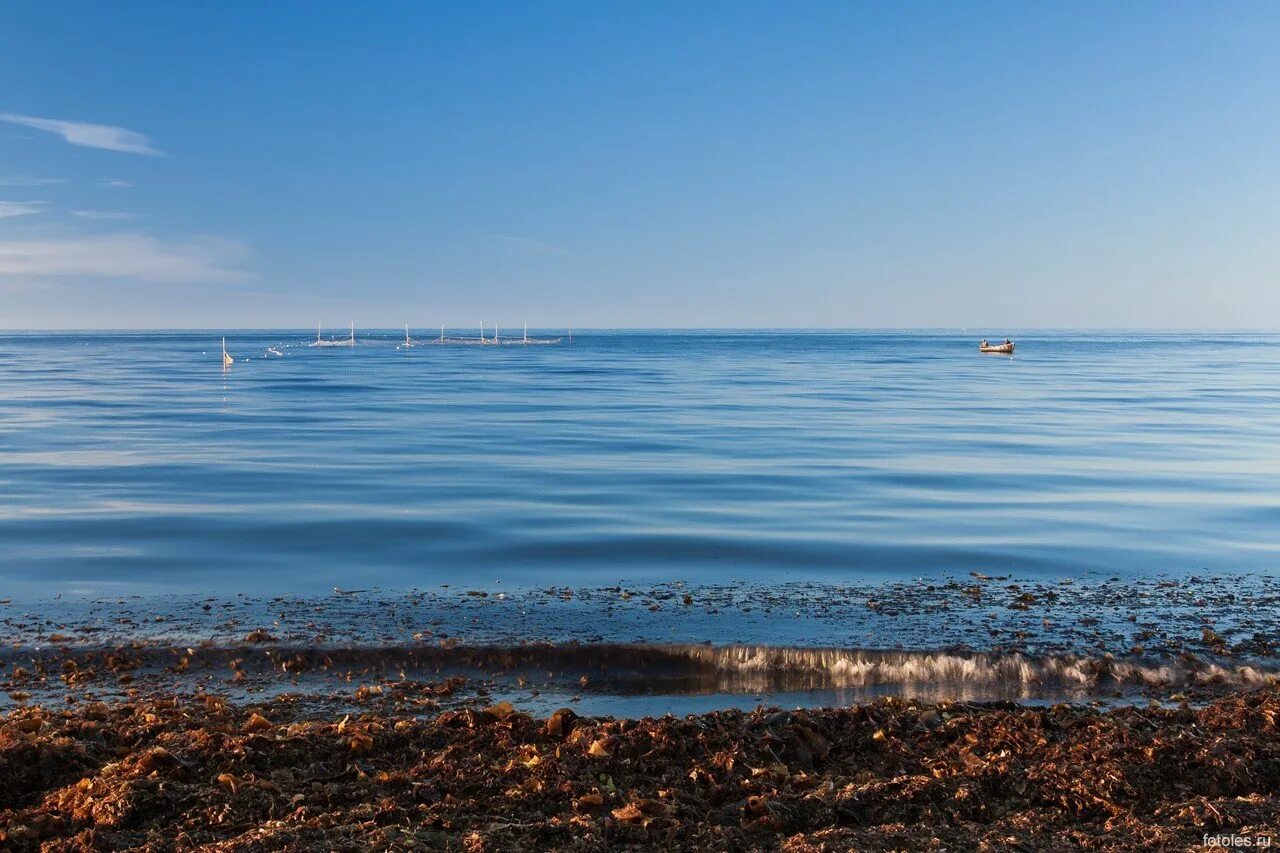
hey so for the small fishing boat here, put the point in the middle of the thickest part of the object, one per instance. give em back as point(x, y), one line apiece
point(1005, 348)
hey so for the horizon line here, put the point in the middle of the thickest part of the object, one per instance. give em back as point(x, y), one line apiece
point(400, 328)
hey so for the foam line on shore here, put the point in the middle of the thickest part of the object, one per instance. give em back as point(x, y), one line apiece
point(868, 667)
point(680, 668)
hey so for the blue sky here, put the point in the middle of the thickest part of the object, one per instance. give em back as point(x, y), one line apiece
point(639, 164)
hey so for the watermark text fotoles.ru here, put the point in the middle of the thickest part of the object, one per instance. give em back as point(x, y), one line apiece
point(1238, 842)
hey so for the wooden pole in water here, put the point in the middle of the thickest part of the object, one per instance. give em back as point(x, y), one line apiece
point(442, 333)
point(482, 331)
point(526, 331)
point(317, 331)
point(406, 334)
point(353, 332)
point(495, 333)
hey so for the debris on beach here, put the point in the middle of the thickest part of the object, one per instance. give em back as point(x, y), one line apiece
point(189, 770)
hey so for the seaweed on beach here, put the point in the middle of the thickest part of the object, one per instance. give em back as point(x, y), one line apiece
point(182, 771)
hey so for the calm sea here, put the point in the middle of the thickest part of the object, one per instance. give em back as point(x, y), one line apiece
point(132, 463)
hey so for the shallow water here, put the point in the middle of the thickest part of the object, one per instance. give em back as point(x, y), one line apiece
point(666, 647)
point(131, 463)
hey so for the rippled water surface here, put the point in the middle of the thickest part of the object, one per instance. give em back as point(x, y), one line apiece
point(132, 463)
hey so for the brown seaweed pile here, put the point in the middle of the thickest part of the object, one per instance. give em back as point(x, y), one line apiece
point(170, 773)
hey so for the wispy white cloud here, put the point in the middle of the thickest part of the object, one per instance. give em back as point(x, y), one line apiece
point(531, 245)
point(115, 184)
point(25, 181)
point(125, 255)
point(20, 208)
point(104, 214)
point(89, 135)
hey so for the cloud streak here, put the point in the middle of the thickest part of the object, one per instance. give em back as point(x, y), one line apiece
point(103, 214)
point(88, 135)
point(20, 208)
point(25, 181)
point(125, 255)
point(528, 244)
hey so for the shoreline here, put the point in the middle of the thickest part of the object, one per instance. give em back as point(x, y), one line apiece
point(624, 680)
point(1095, 715)
point(400, 774)
point(667, 647)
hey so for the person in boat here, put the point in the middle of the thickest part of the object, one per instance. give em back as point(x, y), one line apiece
point(984, 342)
point(1007, 341)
